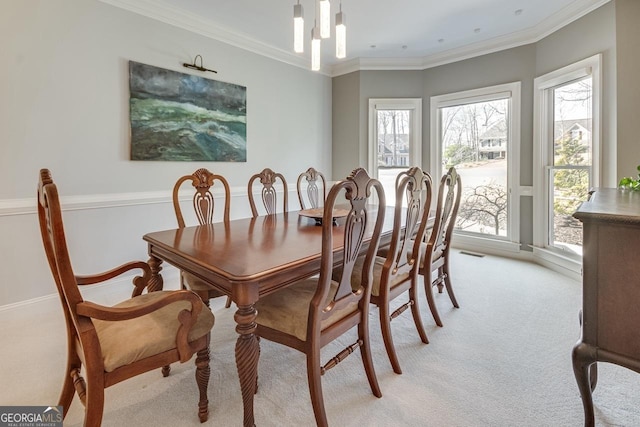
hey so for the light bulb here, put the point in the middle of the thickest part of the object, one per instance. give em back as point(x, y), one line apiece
point(341, 36)
point(298, 29)
point(315, 49)
point(325, 19)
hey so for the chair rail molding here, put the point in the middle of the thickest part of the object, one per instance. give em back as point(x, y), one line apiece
point(27, 206)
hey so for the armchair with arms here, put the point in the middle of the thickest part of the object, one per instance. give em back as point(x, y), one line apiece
point(112, 344)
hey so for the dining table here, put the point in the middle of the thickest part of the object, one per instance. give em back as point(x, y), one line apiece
point(247, 259)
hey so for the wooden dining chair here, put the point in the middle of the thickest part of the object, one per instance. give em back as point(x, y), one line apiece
point(203, 203)
point(311, 313)
point(396, 273)
point(268, 179)
point(435, 262)
point(308, 189)
point(145, 332)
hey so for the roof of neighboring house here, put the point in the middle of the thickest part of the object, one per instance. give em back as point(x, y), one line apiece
point(403, 138)
point(561, 127)
point(497, 131)
point(402, 147)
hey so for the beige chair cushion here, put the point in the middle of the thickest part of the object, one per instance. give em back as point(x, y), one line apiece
point(356, 276)
point(124, 342)
point(196, 284)
point(288, 309)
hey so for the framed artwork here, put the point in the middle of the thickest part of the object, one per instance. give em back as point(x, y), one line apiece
point(181, 117)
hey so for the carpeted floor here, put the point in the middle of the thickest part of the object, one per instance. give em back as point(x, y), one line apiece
point(502, 359)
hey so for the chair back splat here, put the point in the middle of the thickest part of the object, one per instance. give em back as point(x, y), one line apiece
point(203, 203)
point(436, 259)
point(268, 179)
point(396, 273)
point(308, 186)
point(313, 312)
point(146, 332)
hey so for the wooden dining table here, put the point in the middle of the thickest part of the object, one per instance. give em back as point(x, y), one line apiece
point(248, 259)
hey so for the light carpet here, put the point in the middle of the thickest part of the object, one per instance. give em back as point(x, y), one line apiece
point(502, 359)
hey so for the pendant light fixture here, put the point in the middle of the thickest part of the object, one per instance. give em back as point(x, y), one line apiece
point(315, 47)
point(298, 28)
point(325, 19)
point(341, 34)
point(318, 32)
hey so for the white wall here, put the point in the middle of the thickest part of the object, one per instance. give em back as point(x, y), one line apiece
point(64, 105)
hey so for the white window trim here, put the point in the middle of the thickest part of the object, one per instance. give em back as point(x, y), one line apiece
point(412, 104)
point(511, 90)
point(542, 114)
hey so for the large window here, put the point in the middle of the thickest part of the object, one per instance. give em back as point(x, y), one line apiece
point(395, 139)
point(477, 132)
point(567, 143)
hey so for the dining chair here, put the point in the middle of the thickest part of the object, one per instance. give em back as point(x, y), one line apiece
point(396, 273)
point(142, 333)
point(435, 262)
point(308, 189)
point(268, 179)
point(311, 313)
point(203, 203)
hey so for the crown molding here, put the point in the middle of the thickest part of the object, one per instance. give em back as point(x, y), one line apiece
point(163, 12)
point(180, 18)
point(534, 34)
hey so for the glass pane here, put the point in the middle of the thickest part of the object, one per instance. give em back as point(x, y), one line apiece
point(572, 147)
point(570, 188)
point(475, 141)
point(393, 132)
point(572, 124)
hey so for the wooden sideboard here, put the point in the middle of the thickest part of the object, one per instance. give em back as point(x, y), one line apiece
point(611, 288)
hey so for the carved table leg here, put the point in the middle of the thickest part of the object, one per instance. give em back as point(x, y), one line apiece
point(203, 372)
point(155, 284)
point(583, 357)
point(247, 354)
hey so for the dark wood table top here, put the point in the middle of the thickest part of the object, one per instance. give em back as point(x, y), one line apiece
point(250, 250)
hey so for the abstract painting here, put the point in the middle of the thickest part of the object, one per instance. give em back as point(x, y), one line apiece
point(181, 117)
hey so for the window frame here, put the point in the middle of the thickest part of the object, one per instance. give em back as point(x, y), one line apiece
point(415, 142)
point(512, 91)
point(542, 153)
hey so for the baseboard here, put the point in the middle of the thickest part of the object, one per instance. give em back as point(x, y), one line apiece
point(556, 262)
point(563, 265)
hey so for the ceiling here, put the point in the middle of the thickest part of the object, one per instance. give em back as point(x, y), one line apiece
point(403, 34)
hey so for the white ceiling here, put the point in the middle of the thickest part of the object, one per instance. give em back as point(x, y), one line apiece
point(399, 34)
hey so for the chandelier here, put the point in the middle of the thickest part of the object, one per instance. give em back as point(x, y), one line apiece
point(323, 14)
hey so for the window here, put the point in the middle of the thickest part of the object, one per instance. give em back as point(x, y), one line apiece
point(395, 139)
point(478, 132)
point(566, 141)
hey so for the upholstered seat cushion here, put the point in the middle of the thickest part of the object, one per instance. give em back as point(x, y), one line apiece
point(288, 309)
point(124, 342)
point(196, 284)
point(356, 276)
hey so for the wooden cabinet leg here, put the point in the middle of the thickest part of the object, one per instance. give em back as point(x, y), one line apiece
point(583, 357)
